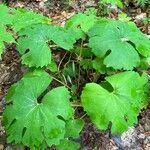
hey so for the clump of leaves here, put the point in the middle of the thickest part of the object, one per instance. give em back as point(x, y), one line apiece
point(16, 19)
point(38, 117)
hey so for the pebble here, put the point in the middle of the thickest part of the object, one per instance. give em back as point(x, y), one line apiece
point(141, 136)
point(140, 17)
point(1, 147)
point(128, 138)
point(147, 127)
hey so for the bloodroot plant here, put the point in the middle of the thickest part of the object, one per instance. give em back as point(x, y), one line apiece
point(41, 114)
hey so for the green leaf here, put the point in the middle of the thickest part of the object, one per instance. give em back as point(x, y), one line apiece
point(5, 19)
point(23, 18)
point(113, 2)
point(142, 3)
point(33, 43)
point(83, 51)
point(124, 17)
point(18, 19)
point(81, 21)
point(145, 63)
point(91, 10)
point(73, 128)
point(120, 43)
point(70, 70)
point(119, 106)
point(99, 66)
point(86, 64)
point(52, 66)
point(68, 145)
point(4, 37)
point(35, 123)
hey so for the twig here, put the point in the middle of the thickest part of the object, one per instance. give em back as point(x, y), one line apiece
point(61, 82)
point(61, 61)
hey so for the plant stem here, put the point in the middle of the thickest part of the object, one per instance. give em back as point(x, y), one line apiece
point(79, 63)
point(61, 82)
point(61, 61)
point(76, 105)
point(83, 116)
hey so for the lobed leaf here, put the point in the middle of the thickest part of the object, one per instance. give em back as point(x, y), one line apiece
point(79, 24)
point(121, 43)
point(68, 145)
point(6, 16)
point(5, 19)
point(17, 19)
point(33, 43)
point(81, 21)
point(4, 37)
point(23, 18)
point(73, 128)
point(117, 101)
point(30, 122)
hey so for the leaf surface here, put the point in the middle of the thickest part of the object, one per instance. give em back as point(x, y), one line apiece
point(4, 37)
point(35, 123)
point(73, 128)
point(120, 43)
point(5, 19)
point(23, 18)
point(68, 145)
point(119, 106)
point(81, 21)
point(113, 2)
point(33, 43)
point(17, 19)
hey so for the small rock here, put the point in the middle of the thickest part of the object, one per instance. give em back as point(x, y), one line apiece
point(147, 127)
point(147, 147)
point(140, 17)
point(141, 136)
point(1, 147)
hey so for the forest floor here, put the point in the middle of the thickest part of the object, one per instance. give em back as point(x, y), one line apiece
point(11, 70)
